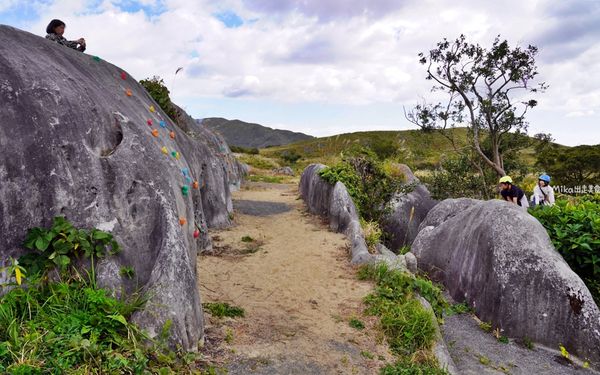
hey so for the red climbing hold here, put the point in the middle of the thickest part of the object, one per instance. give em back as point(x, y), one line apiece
point(155, 132)
point(149, 122)
point(123, 76)
point(196, 233)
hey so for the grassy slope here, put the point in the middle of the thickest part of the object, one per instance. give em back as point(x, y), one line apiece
point(419, 150)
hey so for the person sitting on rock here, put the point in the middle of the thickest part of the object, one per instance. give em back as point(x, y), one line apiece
point(543, 194)
point(512, 193)
point(55, 31)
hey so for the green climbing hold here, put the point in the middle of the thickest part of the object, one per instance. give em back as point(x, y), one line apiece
point(185, 190)
point(96, 58)
point(174, 154)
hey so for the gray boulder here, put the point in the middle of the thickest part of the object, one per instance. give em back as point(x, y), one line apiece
point(408, 211)
point(335, 204)
point(500, 260)
point(445, 210)
point(72, 143)
point(285, 171)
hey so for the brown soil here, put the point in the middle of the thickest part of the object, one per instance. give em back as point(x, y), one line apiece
point(298, 290)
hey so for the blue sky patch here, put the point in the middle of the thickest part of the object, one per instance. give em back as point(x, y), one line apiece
point(229, 19)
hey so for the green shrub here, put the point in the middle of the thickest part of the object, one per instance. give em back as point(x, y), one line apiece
point(223, 309)
point(574, 228)
point(407, 367)
point(356, 324)
point(290, 157)
point(159, 92)
point(367, 183)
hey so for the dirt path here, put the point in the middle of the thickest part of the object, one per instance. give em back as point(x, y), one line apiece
point(296, 286)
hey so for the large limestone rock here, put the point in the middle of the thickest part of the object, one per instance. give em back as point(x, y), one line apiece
point(408, 211)
point(73, 143)
point(500, 260)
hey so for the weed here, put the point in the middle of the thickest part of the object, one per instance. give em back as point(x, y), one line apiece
point(127, 271)
point(372, 233)
point(404, 249)
point(503, 339)
point(484, 360)
point(265, 178)
point(223, 309)
point(527, 343)
point(356, 324)
point(367, 355)
point(228, 336)
point(407, 367)
point(247, 239)
point(486, 327)
point(457, 309)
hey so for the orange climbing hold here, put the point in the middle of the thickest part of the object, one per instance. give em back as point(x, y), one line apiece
point(195, 184)
point(155, 132)
point(182, 221)
point(128, 92)
point(172, 135)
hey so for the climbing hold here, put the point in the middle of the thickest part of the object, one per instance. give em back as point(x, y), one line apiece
point(195, 185)
point(162, 124)
point(185, 171)
point(177, 156)
point(152, 109)
point(196, 233)
point(149, 122)
point(96, 58)
point(155, 132)
point(123, 76)
point(185, 190)
point(188, 179)
point(172, 135)
point(128, 92)
point(174, 154)
point(164, 150)
point(182, 221)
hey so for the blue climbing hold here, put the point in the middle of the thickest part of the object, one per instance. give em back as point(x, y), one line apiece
point(162, 124)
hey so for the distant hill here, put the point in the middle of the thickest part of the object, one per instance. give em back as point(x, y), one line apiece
point(244, 134)
point(419, 150)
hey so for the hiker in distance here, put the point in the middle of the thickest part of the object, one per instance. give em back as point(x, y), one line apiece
point(55, 31)
point(543, 194)
point(512, 193)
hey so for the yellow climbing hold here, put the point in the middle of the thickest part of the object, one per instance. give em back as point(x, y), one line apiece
point(152, 109)
point(164, 150)
point(177, 155)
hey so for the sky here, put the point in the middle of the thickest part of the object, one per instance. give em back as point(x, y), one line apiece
point(325, 67)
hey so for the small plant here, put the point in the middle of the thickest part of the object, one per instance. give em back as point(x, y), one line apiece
point(503, 339)
point(486, 327)
point(356, 324)
point(290, 157)
point(372, 233)
point(526, 342)
point(367, 355)
point(407, 367)
point(223, 309)
point(457, 309)
point(404, 249)
point(484, 360)
point(247, 239)
point(57, 245)
point(228, 336)
point(127, 272)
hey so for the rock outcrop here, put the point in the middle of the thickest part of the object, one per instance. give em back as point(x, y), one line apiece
point(408, 211)
point(82, 139)
point(500, 260)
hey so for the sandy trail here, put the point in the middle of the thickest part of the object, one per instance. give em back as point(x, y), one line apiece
point(298, 290)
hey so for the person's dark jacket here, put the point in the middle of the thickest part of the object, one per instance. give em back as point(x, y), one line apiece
point(62, 40)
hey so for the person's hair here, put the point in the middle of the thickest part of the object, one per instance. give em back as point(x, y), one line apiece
point(53, 25)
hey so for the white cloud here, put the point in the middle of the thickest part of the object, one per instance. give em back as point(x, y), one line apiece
point(321, 51)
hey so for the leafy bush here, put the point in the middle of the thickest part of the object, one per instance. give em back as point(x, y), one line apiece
point(290, 157)
point(159, 92)
point(573, 166)
point(372, 233)
point(367, 183)
point(57, 245)
point(574, 228)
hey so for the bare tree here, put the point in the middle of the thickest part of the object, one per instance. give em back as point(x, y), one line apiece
point(487, 91)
